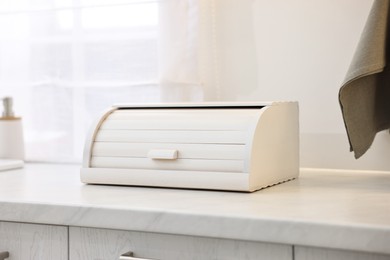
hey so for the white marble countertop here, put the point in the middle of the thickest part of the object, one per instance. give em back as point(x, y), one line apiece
point(324, 208)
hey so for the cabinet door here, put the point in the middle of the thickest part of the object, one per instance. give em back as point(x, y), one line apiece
point(312, 253)
point(34, 242)
point(99, 244)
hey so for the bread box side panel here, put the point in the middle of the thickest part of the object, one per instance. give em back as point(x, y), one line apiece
point(275, 147)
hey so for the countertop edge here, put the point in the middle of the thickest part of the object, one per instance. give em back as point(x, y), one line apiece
point(372, 239)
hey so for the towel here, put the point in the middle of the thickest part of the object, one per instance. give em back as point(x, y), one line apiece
point(365, 94)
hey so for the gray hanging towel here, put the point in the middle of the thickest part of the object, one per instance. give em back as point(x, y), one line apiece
point(365, 94)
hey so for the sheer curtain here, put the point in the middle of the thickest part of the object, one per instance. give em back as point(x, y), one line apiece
point(208, 49)
point(64, 61)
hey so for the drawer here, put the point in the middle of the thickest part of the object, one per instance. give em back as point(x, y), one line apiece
point(94, 244)
point(36, 242)
point(314, 253)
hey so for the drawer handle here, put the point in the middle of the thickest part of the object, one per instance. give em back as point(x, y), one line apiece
point(129, 256)
point(162, 154)
point(4, 255)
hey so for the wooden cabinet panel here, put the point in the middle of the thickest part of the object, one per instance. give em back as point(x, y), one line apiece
point(99, 244)
point(312, 253)
point(34, 242)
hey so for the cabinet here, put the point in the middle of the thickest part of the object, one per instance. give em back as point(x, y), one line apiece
point(94, 244)
point(35, 242)
point(312, 253)
point(47, 242)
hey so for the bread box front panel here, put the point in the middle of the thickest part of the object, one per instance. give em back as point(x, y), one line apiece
point(204, 147)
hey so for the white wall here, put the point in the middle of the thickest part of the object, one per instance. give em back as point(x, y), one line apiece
point(304, 48)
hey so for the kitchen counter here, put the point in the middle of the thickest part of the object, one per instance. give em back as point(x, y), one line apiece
point(323, 208)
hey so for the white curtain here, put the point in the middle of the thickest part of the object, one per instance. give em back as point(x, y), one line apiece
point(64, 61)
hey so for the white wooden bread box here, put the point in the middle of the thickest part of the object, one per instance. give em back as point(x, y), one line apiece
point(222, 146)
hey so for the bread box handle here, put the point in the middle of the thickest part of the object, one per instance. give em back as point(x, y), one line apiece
point(162, 154)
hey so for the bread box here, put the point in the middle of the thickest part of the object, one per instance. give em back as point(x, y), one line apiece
point(221, 146)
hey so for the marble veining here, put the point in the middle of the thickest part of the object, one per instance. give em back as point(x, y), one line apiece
point(323, 208)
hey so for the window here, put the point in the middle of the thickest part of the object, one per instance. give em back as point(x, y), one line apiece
point(65, 61)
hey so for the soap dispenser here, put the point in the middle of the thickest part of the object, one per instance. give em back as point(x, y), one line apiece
point(11, 133)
